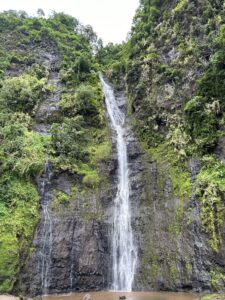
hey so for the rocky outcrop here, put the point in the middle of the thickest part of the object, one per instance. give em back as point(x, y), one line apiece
point(72, 243)
point(172, 254)
point(170, 258)
point(71, 249)
point(167, 63)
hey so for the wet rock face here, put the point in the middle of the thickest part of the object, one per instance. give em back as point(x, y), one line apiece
point(173, 254)
point(72, 243)
point(174, 249)
point(170, 258)
point(72, 247)
point(76, 240)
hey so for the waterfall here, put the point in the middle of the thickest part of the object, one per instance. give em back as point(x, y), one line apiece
point(72, 257)
point(46, 250)
point(123, 250)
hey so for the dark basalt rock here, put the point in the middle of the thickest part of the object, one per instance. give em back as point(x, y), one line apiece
point(80, 246)
point(72, 240)
point(80, 257)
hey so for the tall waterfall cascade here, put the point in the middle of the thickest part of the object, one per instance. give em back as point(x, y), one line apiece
point(124, 252)
point(46, 250)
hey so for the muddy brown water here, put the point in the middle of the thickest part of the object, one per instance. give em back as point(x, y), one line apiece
point(8, 297)
point(129, 296)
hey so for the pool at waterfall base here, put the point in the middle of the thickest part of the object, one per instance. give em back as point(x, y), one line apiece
point(128, 296)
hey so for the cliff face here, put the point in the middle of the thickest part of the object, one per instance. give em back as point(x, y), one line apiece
point(57, 170)
point(174, 77)
point(50, 88)
point(72, 242)
point(58, 155)
point(173, 71)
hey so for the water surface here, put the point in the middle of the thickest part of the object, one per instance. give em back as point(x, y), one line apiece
point(129, 296)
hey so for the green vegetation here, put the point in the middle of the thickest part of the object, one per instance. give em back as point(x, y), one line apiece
point(21, 93)
point(213, 297)
point(178, 170)
point(204, 112)
point(22, 151)
point(180, 5)
point(217, 279)
point(31, 48)
point(68, 141)
point(18, 218)
point(210, 187)
point(62, 197)
point(172, 68)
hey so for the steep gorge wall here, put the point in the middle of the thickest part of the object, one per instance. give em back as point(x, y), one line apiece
point(55, 236)
point(71, 243)
point(80, 232)
point(172, 69)
point(179, 231)
point(174, 76)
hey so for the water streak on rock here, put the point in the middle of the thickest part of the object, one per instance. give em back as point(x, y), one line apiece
point(46, 251)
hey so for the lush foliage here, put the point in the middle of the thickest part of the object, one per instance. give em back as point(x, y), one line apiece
point(174, 74)
point(69, 139)
point(210, 187)
point(18, 218)
point(204, 112)
point(21, 93)
point(31, 50)
point(173, 70)
point(22, 151)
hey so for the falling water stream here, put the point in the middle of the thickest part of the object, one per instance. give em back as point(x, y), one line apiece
point(123, 249)
point(46, 250)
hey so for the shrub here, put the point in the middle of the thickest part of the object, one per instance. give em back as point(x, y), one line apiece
point(20, 200)
point(87, 104)
point(69, 139)
point(32, 159)
point(210, 187)
point(180, 6)
point(21, 93)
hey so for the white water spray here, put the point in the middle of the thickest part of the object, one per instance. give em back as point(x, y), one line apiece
point(124, 251)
